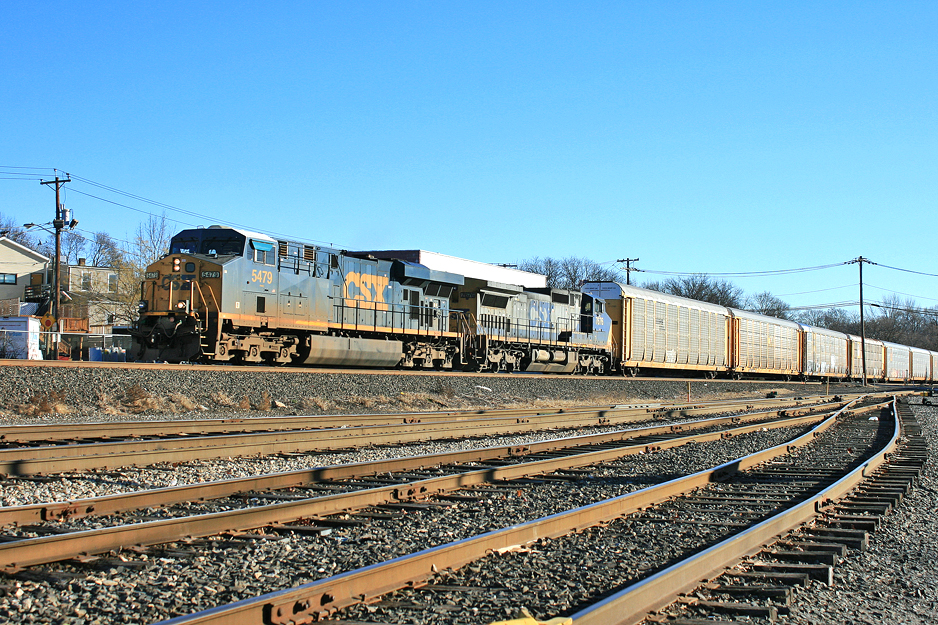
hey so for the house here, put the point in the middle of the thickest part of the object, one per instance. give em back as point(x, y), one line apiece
point(24, 273)
point(92, 293)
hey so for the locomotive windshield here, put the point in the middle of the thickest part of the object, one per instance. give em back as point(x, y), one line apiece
point(209, 241)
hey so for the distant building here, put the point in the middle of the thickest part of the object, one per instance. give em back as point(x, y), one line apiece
point(464, 267)
point(92, 293)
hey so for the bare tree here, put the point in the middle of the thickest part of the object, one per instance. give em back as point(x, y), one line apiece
point(836, 319)
point(703, 288)
point(765, 303)
point(152, 240)
point(570, 272)
point(73, 246)
point(104, 252)
point(14, 232)
point(548, 267)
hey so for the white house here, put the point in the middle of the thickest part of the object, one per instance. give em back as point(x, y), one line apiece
point(21, 267)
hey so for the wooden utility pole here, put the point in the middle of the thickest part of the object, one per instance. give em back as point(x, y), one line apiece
point(628, 268)
point(58, 223)
point(860, 260)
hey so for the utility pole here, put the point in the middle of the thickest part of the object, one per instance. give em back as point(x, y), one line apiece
point(628, 268)
point(58, 223)
point(860, 260)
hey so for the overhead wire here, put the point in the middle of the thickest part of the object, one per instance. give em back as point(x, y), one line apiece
point(186, 211)
point(931, 299)
point(742, 274)
point(33, 171)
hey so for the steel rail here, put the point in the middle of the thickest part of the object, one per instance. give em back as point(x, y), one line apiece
point(32, 551)
point(139, 429)
point(324, 597)
point(59, 458)
point(110, 504)
point(633, 604)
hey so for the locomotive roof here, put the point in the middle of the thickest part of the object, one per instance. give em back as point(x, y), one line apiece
point(246, 233)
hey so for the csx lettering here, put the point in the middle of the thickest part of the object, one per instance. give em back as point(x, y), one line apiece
point(171, 281)
point(264, 277)
point(365, 287)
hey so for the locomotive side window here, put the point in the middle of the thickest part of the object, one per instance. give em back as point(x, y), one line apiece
point(264, 252)
point(261, 304)
point(415, 305)
point(322, 264)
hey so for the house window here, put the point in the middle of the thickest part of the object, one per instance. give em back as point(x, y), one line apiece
point(85, 280)
point(7, 278)
point(112, 283)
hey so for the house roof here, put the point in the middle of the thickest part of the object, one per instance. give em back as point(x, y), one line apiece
point(22, 249)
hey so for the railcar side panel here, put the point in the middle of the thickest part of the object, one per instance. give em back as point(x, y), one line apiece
point(765, 344)
point(824, 352)
point(898, 362)
point(652, 329)
point(875, 358)
point(920, 364)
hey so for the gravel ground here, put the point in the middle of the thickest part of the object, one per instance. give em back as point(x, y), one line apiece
point(78, 485)
point(57, 394)
point(133, 587)
point(894, 581)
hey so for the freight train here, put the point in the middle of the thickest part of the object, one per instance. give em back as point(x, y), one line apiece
point(229, 295)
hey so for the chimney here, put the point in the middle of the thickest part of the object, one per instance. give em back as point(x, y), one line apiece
point(81, 262)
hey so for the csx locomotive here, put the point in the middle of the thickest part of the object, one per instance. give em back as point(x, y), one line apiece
point(224, 294)
point(229, 295)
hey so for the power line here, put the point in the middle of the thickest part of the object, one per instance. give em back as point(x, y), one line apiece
point(921, 273)
point(170, 207)
point(843, 304)
point(931, 299)
point(833, 288)
point(743, 274)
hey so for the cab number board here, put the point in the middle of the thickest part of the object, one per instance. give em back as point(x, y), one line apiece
point(264, 277)
point(211, 274)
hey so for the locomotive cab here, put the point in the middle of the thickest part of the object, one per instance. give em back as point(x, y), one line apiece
point(181, 294)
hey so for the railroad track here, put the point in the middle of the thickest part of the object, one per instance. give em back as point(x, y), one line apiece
point(367, 490)
point(730, 510)
point(145, 443)
point(348, 487)
point(110, 431)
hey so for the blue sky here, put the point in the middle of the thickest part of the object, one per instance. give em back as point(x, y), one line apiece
point(697, 136)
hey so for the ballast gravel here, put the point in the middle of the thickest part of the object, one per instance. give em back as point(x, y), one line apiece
point(136, 587)
point(85, 484)
point(34, 394)
point(895, 580)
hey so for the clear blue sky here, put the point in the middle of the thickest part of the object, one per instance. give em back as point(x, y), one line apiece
point(698, 136)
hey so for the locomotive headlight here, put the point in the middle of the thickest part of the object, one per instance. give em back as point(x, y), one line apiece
point(176, 262)
point(142, 305)
point(182, 305)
